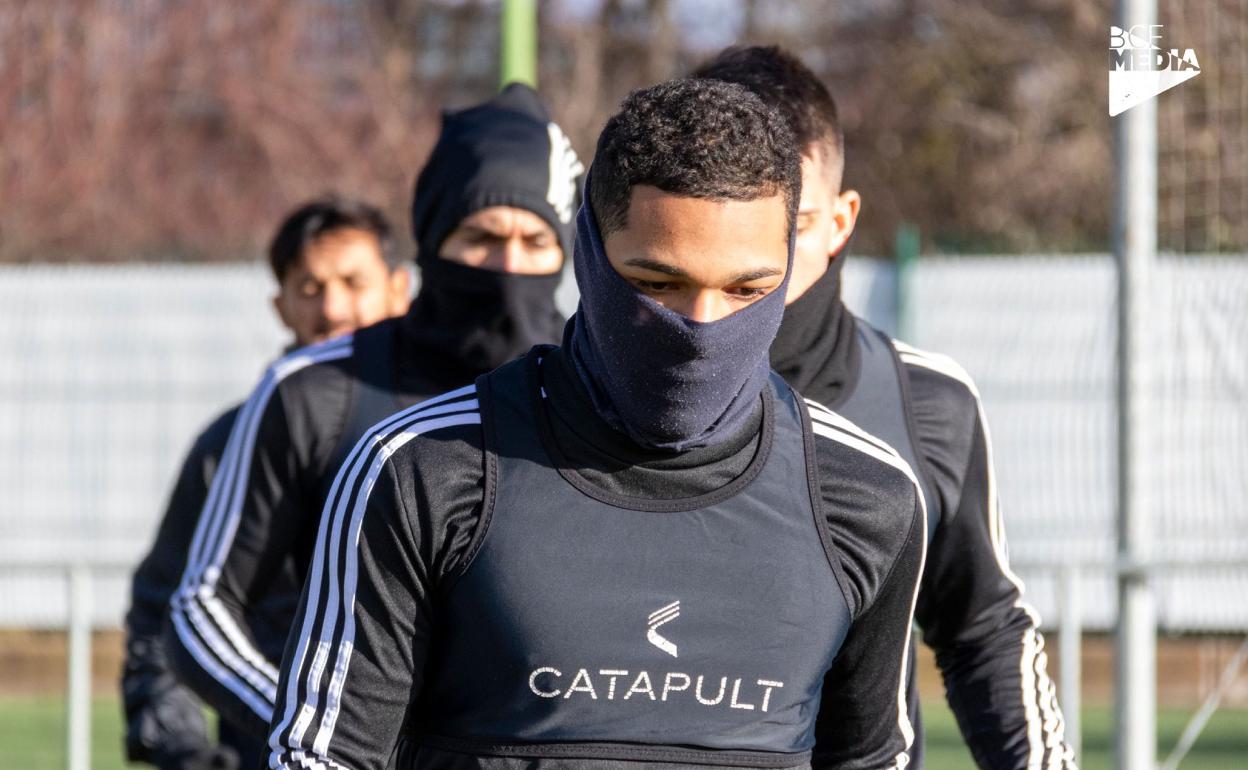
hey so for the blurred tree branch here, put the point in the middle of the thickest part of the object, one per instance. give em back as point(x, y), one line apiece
point(185, 130)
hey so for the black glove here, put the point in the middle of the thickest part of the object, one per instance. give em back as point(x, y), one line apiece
point(165, 723)
point(211, 758)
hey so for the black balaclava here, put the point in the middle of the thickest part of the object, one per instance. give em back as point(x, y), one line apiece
point(666, 381)
point(505, 152)
point(814, 350)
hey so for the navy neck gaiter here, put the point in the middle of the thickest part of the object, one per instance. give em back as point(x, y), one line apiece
point(662, 379)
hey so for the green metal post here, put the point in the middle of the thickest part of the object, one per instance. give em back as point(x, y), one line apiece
point(905, 255)
point(518, 56)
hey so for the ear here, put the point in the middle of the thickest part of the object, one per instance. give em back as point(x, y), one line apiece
point(844, 216)
point(400, 290)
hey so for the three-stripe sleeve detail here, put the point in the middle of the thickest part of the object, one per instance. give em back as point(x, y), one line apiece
point(201, 622)
point(1045, 725)
point(321, 658)
point(830, 425)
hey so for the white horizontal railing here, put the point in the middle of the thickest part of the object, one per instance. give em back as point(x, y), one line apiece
point(1070, 635)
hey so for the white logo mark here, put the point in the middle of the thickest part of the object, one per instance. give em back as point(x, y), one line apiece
point(1140, 68)
point(658, 618)
point(565, 167)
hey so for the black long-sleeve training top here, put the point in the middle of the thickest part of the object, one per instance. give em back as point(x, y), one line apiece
point(259, 519)
point(480, 592)
point(164, 719)
point(971, 607)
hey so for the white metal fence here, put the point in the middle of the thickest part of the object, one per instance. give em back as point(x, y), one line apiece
point(1038, 336)
point(109, 372)
point(107, 375)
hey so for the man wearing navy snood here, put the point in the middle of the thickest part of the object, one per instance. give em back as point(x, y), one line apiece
point(638, 548)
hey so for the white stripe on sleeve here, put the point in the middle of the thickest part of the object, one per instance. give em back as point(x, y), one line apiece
point(225, 653)
point(332, 584)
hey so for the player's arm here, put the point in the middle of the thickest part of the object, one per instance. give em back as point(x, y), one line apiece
point(877, 525)
point(249, 525)
point(863, 718)
point(355, 658)
point(164, 720)
point(971, 607)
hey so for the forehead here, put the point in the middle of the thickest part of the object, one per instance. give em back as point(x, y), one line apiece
point(505, 219)
point(340, 251)
point(704, 239)
point(665, 215)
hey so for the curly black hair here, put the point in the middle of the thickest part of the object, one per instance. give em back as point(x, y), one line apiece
point(783, 81)
point(318, 218)
point(697, 138)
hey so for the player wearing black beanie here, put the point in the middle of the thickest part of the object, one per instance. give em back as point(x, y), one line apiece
point(492, 216)
point(503, 155)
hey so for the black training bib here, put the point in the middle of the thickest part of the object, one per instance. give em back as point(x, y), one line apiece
point(592, 626)
point(878, 403)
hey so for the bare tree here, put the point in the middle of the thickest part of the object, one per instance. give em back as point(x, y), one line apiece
point(136, 130)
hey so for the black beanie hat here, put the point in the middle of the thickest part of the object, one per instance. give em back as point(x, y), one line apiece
point(505, 152)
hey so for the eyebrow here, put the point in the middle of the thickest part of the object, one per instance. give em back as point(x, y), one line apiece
point(676, 272)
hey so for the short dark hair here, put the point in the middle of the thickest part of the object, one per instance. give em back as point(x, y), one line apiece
point(318, 218)
point(784, 82)
point(697, 138)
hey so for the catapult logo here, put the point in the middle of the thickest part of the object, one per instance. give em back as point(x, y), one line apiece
point(1140, 68)
point(586, 684)
point(657, 618)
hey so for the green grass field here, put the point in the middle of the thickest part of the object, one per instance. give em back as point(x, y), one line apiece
point(32, 737)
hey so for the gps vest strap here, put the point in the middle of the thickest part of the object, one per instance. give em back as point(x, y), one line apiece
point(878, 402)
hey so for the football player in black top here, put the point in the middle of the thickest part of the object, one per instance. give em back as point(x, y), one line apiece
point(640, 548)
point(332, 259)
point(971, 608)
point(492, 217)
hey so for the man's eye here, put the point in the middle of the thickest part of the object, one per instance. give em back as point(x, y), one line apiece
point(309, 289)
point(654, 286)
point(747, 292)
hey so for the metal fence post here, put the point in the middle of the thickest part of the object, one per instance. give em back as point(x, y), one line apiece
point(1135, 245)
point(79, 707)
point(1070, 640)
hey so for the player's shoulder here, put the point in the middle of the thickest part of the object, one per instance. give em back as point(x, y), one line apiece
point(936, 374)
point(313, 366)
point(942, 398)
point(312, 385)
point(870, 499)
point(302, 397)
point(845, 447)
point(438, 438)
